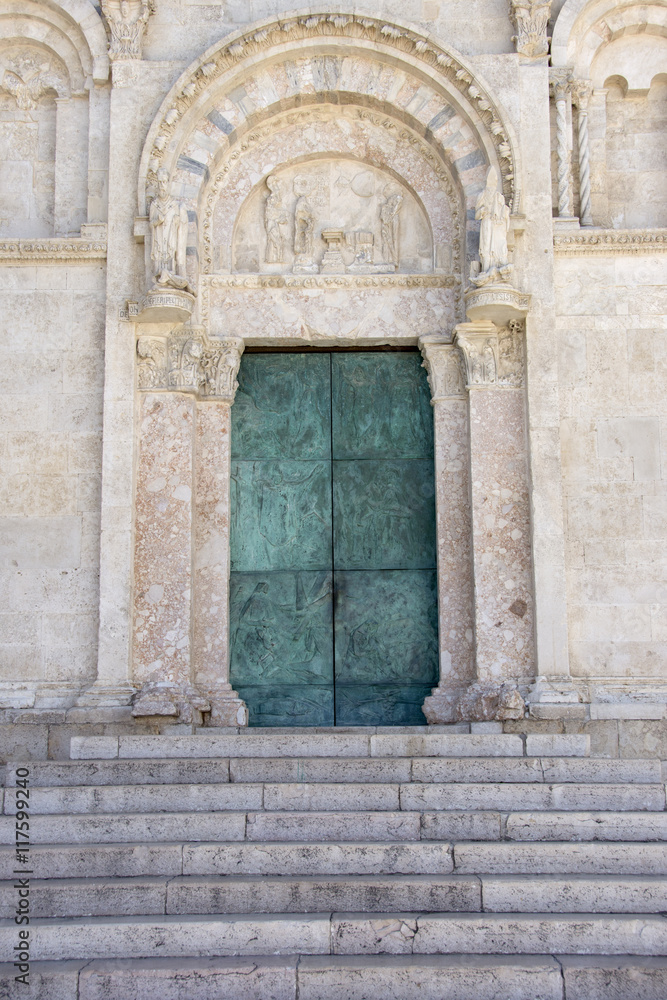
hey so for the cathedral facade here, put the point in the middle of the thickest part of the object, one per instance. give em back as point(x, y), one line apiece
point(334, 381)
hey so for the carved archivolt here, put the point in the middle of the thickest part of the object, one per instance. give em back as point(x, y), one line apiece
point(424, 54)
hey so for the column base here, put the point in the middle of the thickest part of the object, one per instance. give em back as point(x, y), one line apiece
point(106, 696)
point(476, 703)
point(553, 691)
point(14, 694)
point(222, 707)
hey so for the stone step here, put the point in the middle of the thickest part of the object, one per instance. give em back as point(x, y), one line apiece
point(339, 933)
point(304, 744)
point(340, 826)
point(318, 796)
point(369, 977)
point(173, 771)
point(310, 859)
point(193, 894)
point(511, 858)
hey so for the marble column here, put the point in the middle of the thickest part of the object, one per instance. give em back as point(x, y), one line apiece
point(211, 561)
point(444, 364)
point(561, 84)
point(163, 620)
point(500, 514)
point(582, 91)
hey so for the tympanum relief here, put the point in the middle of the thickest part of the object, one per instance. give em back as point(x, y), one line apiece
point(332, 216)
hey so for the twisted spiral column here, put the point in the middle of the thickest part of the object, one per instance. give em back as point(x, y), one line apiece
point(582, 97)
point(560, 82)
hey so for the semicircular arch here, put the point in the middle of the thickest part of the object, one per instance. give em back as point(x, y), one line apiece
point(240, 82)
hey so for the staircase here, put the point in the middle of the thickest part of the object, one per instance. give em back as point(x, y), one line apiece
point(340, 865)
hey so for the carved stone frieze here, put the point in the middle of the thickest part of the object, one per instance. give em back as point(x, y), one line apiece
point(330, 281)
point(445, 368)
point(186, 361)
point(611, 241)
point(530, 19)
point(51, 250)
point(355, 26)
point(127, 20)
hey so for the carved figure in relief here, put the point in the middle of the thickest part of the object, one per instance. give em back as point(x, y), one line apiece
point(169, 233)
point(389, 227)
point(304, 224)
point(495, 220)
point(127, 20)
point(220, 367)
point(185, 371)
point(150, 366)
point(275, 216)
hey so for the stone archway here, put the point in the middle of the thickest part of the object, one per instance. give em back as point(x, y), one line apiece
point(274, 103)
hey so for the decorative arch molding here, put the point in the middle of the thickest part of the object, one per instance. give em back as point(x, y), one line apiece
point(71, 29)
point(584, 27)
point(232, 88)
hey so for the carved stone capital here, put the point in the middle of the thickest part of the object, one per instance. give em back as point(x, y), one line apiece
point(530, 19)
point(445, 369)
point(127, 20)
point(493, 356)
point(186, 361)
point(582, 91)
point(220, 365)
point(478, 343)
point(560, 82)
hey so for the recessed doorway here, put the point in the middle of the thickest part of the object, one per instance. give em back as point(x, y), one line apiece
point(333, 595)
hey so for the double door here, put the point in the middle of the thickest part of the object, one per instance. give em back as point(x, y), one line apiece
point(333, 605)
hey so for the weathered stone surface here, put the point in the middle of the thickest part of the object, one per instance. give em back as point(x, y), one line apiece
point(614, 978)
point(433, 893)
point(587, 826)
point(537, 858)
point(333, 826)
point(574, 894)
point(55, 980)
point(96, 860)
point(466, 977)
point(317, 859)
point(198, 979)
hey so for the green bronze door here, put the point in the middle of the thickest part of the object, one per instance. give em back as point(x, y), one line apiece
point(333, 584)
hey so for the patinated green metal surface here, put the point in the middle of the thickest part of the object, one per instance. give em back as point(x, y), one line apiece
point(381, 406)
point(383, 514)
point(281, 515)
point(345, 633)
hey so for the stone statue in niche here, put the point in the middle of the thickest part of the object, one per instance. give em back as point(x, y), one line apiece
point(304, 226)
point(127, 20)
point(275, 217)
point(169, 232)
point(389, 220)
point(495, 220)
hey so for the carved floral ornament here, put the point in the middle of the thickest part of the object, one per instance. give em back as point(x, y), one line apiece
point(187, 362)
point(215, 63)
point(530, 18)
point(127, 20)
point(481, 356)
point(30, 75)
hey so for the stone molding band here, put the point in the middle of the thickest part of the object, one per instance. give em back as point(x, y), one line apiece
point(616, 241)
point(49, 251)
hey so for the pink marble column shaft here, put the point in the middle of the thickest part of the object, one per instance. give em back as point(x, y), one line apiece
point(504, 637)
point(453, 528)
point(163, 552)
point(211, 563)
